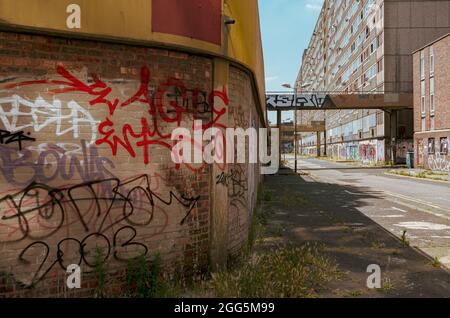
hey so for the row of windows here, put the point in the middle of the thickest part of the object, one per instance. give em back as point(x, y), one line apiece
point(354, 127)
point(443, 146)
point(334, 50)
point(423, 89)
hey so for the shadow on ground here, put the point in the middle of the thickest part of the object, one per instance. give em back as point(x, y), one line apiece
point(304, 210)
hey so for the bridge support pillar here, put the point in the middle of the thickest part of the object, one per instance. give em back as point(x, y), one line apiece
point(279, 129)
point(319, 142)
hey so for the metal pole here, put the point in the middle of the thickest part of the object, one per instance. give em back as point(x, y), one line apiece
point(295, 130)
point(325, 133)
point(279, 130)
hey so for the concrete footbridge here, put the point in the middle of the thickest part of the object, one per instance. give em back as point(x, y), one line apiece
point(332, 100)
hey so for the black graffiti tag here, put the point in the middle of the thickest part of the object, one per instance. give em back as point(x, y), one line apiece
point(7, 137)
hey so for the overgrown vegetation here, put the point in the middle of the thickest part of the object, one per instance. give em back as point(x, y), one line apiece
point(436, 262)
point(425, 174)
point(277, 271)
point(144, 279)
point(404, 238)
point(100, 271)
point(283, 272)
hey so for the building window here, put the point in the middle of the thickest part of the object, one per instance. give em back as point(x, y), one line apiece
point(380, 65)
point(431, 149)
point(422, 64)
point(380, 39)
point(431, 61)
point(380, 118)
point(423, 128)
point(422, 99)
point(444, 146)
point(432, 123)
point(432, 96)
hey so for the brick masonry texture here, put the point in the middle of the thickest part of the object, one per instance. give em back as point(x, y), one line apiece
point(85, 161)
point(423, 139)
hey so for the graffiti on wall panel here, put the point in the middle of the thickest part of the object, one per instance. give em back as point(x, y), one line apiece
point(50, 218)
point(63, 159)
point(380, 151)
point(165, 106)
point(439, 162)
point(7, 137)
point(402, 149)
point(54, 162)
point(367, 152)
point(280, 101)
point(17, 114)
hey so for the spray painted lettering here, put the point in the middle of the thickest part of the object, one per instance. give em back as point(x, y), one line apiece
point(40, 114)
point(169, 102)
point(7, 137)
point(53, 162)
point(40, 212)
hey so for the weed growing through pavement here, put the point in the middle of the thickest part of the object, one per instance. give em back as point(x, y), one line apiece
point(404, 238)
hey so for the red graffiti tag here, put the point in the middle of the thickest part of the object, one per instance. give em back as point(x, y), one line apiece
point(128, 136)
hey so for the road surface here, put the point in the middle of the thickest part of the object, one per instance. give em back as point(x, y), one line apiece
point(419, 207)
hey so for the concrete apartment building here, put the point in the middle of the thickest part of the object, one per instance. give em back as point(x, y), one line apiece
point(431, 67)
point(362, 46)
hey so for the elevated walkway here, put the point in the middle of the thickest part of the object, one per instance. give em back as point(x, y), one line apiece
point(332, 100)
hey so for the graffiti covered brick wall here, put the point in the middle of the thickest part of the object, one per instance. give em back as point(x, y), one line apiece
point(241, 179)
point(85, 160)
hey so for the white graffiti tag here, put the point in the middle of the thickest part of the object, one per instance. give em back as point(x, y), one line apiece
point(438, 162)
point(17, 113)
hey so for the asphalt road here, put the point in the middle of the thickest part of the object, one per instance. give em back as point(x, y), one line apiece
point(419, 207)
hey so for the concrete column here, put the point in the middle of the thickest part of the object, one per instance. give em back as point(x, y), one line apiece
point(390, 133)
point(219, 192)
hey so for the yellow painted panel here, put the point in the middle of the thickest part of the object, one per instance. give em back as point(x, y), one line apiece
point(131, 20)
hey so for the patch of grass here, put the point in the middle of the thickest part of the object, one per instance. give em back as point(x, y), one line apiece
point(387, 287)
point(436, 262)
point(426, 174)
point(389, 163)
point(293, 200)
point(421, 175)
point(277, 230)
point(372, 240)
point(100, 271)
point(144, 279)
point(404, 238)
point(257, 228)
point(282, 272)
point(376, 244)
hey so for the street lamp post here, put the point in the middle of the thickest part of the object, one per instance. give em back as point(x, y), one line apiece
point(295, 125)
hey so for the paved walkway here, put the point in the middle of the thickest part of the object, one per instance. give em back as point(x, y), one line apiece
point(305, 210)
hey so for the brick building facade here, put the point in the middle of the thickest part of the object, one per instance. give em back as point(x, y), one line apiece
point(364, 46)
point(431, 109)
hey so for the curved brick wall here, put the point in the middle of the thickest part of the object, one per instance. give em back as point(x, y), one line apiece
point(85, 160)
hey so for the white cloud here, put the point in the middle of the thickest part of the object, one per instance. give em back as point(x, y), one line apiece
point(315, 5)
point(271, 78)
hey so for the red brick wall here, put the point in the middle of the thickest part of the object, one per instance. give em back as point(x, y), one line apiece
point(94, 167)
point(441, 52)
point(243, 187)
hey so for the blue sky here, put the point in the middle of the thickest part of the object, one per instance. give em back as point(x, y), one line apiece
point(286, 27)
